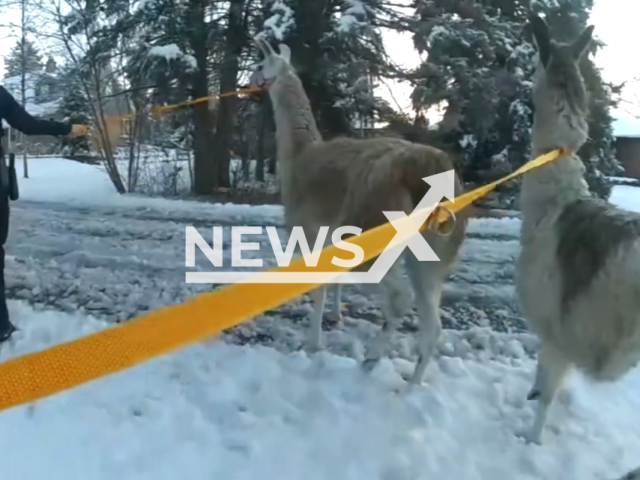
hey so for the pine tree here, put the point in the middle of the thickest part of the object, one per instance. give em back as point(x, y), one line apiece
point(14, 60)
point(480, 64)
point(75, 109)
point(337, 52)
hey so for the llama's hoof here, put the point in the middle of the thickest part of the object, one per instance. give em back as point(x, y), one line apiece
point(369, 364)
point(419, 371)
point(333, 319)
point(533, 439)
point(534, 394)
point(529, 437)
point(414, 380)
point(313, 346)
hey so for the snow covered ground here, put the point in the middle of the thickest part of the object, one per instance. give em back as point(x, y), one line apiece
point(243, 410)
point(74, 243)
point(167, 172)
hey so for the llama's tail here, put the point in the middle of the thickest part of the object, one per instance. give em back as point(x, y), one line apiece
point(408, 168)
point(421, 162)
point(392, 181)
point(424, 161)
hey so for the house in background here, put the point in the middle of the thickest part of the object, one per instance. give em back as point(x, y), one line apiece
point(43, 93)
point(626, 131)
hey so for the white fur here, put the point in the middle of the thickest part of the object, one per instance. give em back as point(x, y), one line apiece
point(611, 301)
point(373, 173)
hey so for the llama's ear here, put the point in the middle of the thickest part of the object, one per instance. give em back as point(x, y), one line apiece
point(583, 42)
point(541, 37)
point(263, 44)
point(285, 52)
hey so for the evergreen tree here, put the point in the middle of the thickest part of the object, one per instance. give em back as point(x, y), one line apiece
point(337, 51)
point(14, 60)
point(480, 64)
point(74, 108)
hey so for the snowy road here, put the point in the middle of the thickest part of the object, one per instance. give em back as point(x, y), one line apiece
point(245, 412)
point(118, 262)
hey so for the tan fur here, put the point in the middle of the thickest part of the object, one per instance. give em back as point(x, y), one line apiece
point(351, 182)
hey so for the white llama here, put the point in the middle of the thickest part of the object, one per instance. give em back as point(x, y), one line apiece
point(351, 182)
point(578, 274)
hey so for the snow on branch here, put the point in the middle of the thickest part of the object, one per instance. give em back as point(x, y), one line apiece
point(354, 15)
point(172, 52)
point(281, 20)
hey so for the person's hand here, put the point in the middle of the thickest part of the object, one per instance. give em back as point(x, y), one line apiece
point(79, 131)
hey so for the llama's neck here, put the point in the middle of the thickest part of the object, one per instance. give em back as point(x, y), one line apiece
point(296, 128)
point(547, 189)
point(557, 123)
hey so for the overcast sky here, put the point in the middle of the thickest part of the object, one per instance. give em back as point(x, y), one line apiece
point(615, 22)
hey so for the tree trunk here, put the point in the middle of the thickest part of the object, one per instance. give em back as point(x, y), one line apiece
point(24, 86)
point(332, 120)
point(260, 147)
point(313, 20)
point(272, 165)
point(270, 128)
point(203, 165)
point(235, 39)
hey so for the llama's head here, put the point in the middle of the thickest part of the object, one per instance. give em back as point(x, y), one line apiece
point(559, 94)
point(272, 66)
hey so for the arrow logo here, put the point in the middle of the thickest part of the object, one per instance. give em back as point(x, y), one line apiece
point(407, 235)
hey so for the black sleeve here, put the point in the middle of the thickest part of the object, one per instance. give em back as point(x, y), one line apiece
point(19, 119)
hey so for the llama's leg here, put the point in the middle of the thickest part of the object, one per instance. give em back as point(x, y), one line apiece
point(396, 302)
point(336, 316)
point(427, 279)
point(550, 372)
point(318, 297)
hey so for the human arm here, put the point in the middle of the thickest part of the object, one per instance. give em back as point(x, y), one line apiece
point(18, 118)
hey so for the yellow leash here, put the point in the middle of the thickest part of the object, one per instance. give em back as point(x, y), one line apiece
point(37, 375)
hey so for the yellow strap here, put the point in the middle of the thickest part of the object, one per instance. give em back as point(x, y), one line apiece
point(242, 91)
point(64, 366)
point(162, 109)
point(468, 198)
